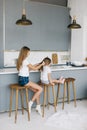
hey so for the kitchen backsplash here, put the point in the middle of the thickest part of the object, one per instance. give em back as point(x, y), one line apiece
point(10, 57)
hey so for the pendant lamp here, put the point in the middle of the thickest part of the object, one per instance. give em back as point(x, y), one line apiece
point(23, 20)
point(74, 25)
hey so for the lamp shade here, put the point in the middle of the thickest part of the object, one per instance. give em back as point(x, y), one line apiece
point(23, 21)
point(74, 25)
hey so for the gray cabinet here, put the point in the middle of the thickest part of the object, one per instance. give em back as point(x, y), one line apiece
point(7, 79)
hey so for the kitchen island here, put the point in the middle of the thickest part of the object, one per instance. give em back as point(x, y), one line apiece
point(9, 75)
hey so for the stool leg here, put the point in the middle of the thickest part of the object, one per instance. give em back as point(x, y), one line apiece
point(48, 96)
point(54, 98)
point(68, 91)
point(58, 90)
point(11, 97)
point(16, 105)
point(44, 99)
point(22, 101)
point(64, 93)
point(27, 104)
point(74, 92)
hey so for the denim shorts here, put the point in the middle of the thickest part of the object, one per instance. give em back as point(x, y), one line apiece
point(23, 80)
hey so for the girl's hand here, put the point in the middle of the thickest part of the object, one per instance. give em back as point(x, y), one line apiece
point(52, 83)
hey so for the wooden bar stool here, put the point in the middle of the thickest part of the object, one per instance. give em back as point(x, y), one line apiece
point(17, 88)
point(67, 83)
point(47, 94)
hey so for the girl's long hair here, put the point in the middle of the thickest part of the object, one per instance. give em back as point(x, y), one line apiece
point(47, 61)
point(22, 55)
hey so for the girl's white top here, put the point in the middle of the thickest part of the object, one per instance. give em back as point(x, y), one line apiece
point(44, 73)
point(24, 70)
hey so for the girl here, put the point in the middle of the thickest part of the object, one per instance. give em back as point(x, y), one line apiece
point(23, 68)
point(46, 73)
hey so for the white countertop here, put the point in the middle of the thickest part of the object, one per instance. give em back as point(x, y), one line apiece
point(53, 68)
point(8, 71)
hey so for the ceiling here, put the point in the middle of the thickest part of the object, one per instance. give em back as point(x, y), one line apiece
point(55, 2)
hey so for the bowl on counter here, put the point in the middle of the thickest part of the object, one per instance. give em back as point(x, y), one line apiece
point(77, 63)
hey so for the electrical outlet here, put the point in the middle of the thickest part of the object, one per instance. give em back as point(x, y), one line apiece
point(65, 57)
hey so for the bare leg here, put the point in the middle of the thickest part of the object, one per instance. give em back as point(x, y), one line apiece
point(61, 80)
point(38, 89)
point(38, 98)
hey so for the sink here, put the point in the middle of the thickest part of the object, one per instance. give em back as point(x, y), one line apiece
point(61, 67)
point(69, 66)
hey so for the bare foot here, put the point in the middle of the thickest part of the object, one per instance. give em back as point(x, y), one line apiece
point(61, 80)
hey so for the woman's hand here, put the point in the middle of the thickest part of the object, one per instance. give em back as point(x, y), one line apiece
point(35, 67)
point(43, 63)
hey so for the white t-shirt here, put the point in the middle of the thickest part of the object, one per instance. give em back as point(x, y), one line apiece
point(24, 70)
point(44, 73)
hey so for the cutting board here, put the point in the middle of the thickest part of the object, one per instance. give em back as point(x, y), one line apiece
point(54, 58)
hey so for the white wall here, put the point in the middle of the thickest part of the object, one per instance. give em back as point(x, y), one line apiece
point(78, 8)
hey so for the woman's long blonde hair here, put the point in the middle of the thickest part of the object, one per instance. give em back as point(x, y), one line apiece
point(22, 55)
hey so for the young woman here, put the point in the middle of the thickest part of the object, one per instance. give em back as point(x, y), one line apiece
point(46, 73)
point(23, 67)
